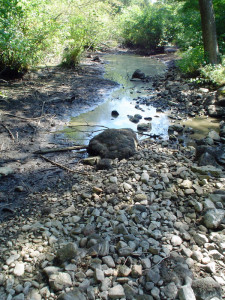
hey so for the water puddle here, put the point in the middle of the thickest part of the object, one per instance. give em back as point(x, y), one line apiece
point(201, 126)
point(126, 100)
point(120, 68)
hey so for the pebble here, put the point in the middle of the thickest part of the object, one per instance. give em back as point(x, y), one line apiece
point(176, 240)
point(19, 269)
point(133, 232)
point(116, 292)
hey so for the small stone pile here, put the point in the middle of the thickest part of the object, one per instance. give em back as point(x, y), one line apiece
point(185, 98)
point(152, 227)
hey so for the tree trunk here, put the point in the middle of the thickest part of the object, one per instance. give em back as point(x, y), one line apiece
point(209, 31)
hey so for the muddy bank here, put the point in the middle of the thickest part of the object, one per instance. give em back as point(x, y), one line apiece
point(32, 109)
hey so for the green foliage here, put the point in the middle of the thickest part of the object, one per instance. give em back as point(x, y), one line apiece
point(192, 60)
point(214, 73)
point(84, 31)
point(147, 28)
point(188, 32)
point(36, 30)
point(31, 30)
point(23, 33)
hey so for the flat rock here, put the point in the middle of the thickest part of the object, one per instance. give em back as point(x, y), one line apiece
point(5, 171)
point(75, 294)
point(116, 292)
point(186, 293)
point(206, 170)
point(59, 281)
point(213, 218)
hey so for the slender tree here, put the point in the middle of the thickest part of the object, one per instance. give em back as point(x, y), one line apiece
point(209, 31)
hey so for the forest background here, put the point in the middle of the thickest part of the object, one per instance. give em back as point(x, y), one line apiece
point(42, 31)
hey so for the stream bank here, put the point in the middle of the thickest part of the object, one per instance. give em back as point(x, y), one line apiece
point(34, 108)
point(150, 228)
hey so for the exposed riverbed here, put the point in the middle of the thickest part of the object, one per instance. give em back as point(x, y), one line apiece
point(129, 99)
point(152, 227)
point(34, 108)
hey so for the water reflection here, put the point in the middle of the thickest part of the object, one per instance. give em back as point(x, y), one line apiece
point(202, 126)
point(120, 69)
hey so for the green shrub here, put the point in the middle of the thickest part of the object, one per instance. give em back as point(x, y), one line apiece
point(191, 60)
point(24, 28)
point(215, 73)
point(147, 28)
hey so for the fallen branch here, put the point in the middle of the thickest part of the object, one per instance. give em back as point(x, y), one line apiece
point(86, 131)
point(87, 125)
point(44, 151)
point(61, 166)
point(146, 134)
point(9, 131)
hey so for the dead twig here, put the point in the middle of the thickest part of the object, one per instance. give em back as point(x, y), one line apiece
point(9, 131)
point(44, 151)
point(158, 263)
point(150, 135)
point(61, 166)
point(87, 125)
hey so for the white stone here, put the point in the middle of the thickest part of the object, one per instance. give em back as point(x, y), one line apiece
point(116, 292)
point(186, 293)
point(113, 179)
point(176, 240)
point(144, 177)
point(127, 186)
point(19, 269)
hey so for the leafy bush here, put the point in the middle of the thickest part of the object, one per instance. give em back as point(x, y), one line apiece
point(83, 32)
point(24, 28)
point(192, 60)
point(147, 28)
point(215, 73)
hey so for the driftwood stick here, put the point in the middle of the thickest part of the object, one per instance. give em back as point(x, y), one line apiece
point(9, 131)
point(86, 131)
point(61, 166)
point(150, 135)
point(44, 151)
point(87, 125)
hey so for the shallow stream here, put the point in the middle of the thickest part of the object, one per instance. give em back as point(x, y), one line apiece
point(124, 100)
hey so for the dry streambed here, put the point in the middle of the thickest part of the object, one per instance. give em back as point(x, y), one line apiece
point(151, 228)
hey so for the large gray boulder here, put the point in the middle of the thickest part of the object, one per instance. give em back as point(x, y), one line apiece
point(210, 155)
point(216, 111)
point(114, 143)
point(138, 74)
point(206, 289)
point(213, 218)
